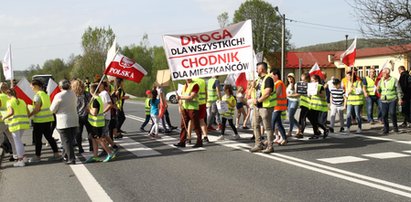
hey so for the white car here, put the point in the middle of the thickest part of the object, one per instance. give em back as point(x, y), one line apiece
point(172, 97)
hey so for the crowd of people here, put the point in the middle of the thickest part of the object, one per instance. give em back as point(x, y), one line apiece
point(98, 107)
point(204, 106)
point(268, 101)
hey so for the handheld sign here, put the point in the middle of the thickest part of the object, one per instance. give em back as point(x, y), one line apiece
point(163, 77)
point(302, 88)
point(312, 88)
point(228, 50)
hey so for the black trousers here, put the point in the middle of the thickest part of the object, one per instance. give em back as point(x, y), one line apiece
point(230, 121)
point(83, 122)
point(40, 129)
point(315, 117)
point(121, 117)
point(303, 118)
point(405, 109)
point(67, 138)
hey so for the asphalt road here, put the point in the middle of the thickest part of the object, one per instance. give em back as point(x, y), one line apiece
point(367, 167)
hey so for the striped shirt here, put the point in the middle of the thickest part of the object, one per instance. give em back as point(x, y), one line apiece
point(337, 96)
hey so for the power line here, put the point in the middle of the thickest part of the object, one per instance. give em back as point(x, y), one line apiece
point(322, 25)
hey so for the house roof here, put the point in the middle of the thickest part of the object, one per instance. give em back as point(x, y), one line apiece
point(379, 51)
point(321, 57)
point(309, 59)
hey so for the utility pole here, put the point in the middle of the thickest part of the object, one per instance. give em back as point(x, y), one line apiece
point(346, 41)
point(282, 16)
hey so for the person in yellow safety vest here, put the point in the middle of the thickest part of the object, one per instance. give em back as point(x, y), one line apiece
point(121, 97)
point(42, 121)
point(228, 98)
point(265, 100)
point(18, 122)
point(281, 107)
point(304, 102)
point(4, 128)
point(355, 99)
point(213, 94)
point(97, 122)
point(202, 111)
point(189, 112)
point(390, 93)
point(318, 105)
point(371, 98)
point(147, 111)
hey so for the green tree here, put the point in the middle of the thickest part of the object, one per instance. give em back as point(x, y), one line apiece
point(95, 42)
point(266, 25)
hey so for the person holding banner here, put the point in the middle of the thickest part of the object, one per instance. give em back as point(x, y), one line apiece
point(213, 94)
point(189, 112)
point(202, 112)
point(265, 100)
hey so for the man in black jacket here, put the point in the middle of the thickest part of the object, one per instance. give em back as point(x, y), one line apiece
point(405, 100)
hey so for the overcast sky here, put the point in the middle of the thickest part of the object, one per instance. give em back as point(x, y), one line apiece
point(48, 29)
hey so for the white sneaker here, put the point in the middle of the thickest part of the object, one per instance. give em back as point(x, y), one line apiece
point(34, 159)
point(220, 138)
point(236, 137)
point(25, 160)
point(348, 131)
point(19, 164)
point(359, 130)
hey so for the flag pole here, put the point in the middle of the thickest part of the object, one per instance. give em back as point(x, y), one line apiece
point(11, 68)
point(180, 107)
point(102, 78)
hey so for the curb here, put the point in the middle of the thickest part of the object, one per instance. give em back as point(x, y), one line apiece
point(1, 155)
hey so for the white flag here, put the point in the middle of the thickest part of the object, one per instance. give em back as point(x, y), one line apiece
point(7, 68)
point(111, 53)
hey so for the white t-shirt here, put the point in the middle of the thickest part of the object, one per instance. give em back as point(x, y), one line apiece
point(106, 100)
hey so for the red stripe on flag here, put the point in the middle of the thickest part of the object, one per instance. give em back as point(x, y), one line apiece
point(131, 73)
point(20, 94)
point(242, 81)
point(55, 91)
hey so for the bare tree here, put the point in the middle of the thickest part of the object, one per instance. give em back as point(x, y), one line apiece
point(389, 19)
point(223, 19)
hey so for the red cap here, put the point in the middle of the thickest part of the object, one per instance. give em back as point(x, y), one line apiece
point(148, 92)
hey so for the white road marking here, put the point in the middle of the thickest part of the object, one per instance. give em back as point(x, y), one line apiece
point(342, 159)
point(168, 140)
point(90, 184)
point(408, 151)
point(137, 148)
point(372, 182)
point(386, 155)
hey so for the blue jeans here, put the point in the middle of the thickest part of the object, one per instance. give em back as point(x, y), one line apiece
point(292, 108)
point(357, 110)
point(391, 109)
point(276, 120)
point(370, 100)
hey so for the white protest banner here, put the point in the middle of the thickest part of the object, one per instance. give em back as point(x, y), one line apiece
point(312, 88)
point(224, 51)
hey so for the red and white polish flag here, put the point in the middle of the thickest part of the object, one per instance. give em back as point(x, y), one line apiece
point(125, 68)
point(348, 57)
point(24, 91)
point(52, 89)
point(315, 70)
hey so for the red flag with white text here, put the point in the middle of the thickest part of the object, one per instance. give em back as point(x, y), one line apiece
point(348, 57)
point(125, 68)
point(24, 91)
point(52, 89)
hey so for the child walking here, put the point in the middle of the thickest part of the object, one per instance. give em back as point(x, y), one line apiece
point(337, 104)
point(154, 111)
point(229, 114)
point(147, 109)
